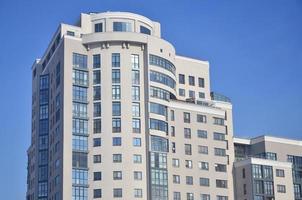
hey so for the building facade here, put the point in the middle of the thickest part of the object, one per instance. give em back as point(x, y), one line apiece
point(117, 114)
point(267, 168)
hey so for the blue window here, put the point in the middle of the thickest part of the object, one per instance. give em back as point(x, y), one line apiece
point(79, 61)
point(159, 144)
point(158, 125)
point(96, 61)
point(43, 127)
point(97, 142)
point(79, 177)
point(80, 126)
point(116, 141)
point(79, 93)
point(161, 62)
point(96, 77)
point(42, 189)
point(79, 110)
point(137, 142)
point(79, 193)
point(44, 112)
point(116, 125)
point(158, 109)
point(97, 93)
point(98, 27)
point(58, 70)
point(97, 125)
point(80, 77)
point(97, 193)
point(116, 60)
point(44, 82)
point(116, 108)
point(122, 26)
point(116, 76)
point(79, 143)
point(145, 30)
point(44, 97)
point(162, 78)
point(79, 160)
point(97, 109)
point(159, 93)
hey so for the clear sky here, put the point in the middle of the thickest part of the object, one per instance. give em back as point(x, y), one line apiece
point(254, 48)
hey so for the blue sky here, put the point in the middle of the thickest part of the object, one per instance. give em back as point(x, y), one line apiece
point(253, 46)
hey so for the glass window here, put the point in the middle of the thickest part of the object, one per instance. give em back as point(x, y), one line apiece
point(220, 167)
point(268, 187)
point(97, 77)
point(162, 78)
point(201, 82)
point(138, 193)
point(136, 125)
point(257, 171)
point(136, 142)
point(188, 149)
point(97, 142)
point(145, 30)
point(79, 110)
point(191, 80)
point(175, 162)
point(202, 149)
point(219, 121)
point(205, 197)
point(135, 61)
point(201, 118)
point(97, 193)
point(116, 60)
point(202, 134)
point(44, 112)
point(42, 189)
point(158, 109)
point(135, 93)
point(138, 175)
point(267, 172)
point(79, 143)
point(97, 176)
point(191, 94)
point(219, 152)
point(221, 183)
point(186, 117)
point(281, 189)
point(135, 77)
point(181, 78)
point(187, 133)
point(116, 92)
point(280, 173)
point(137, 158)
point(117, 158)
point(201, 95)
point(117, 175)
point(122, 26)
point(97, 126)
point(116, 141)
point(79, 176)
point(79, 126)
point(80, 77)
point(79, 93)
point(219, 136)
point(222, 197)
point(118, 192)
point(203, 165)
point(79, 193)
point(189, 180)
point(135, 110)
point(98, 27)
point(172, 128)
point(97, 93)
point(190, 196)
point(204, 182)
point(159, 125)
point(116, 125)
point(79, 61)
point(189, 164)
point(159, 144)
point(79, 159)
point(97, 158)
point(116, 108)
point(176, 196)
point(161, 62)
point(96, 61)
point(97, 109)
point(159, 93)
point(176, 179)
point(116, 76)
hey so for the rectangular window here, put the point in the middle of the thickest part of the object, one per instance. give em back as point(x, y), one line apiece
point(175, 162)
point(136, 125)
point(220, 167)
point(79, 93)
point(138, 193)
point(201, 118)
point(98, 27)
point(192, 94)
point(79, 159)
point(122, 26)
point(96, 61)
point(135, 110)
point(202, 134)
point(257, 171)
point(116, 76)
point(97, 142)
point(97, 109)
point(219, 152)
point(218, 121)
point(79, 126)
point(138, 175)
point(97, 176)
point(79, 176)
point(145, 30)
point(79, 143)
point(205, 197)
point(204, 182)
point(135, 77)
point(97, 158)
point(117, 175)
point(203, 165)
point(79, 110)
point(96, 77)
point(181, 79)
point(97, 93)
point(137, 142)
point(190, 196)
point(117, 158)
point(135, 93)
point(201, 82)
point(189, 164)
point(203, 149)
point(116, 108)
point(268, 187)
point(181, 92)
point(191, 80)
point(201, 95)
point(172, 131)
point(79, 61)
point(70, 33)
point(135, 61)
point(222, 197)
point(80, 77)
point(79, 192)
point(116, 60)
point(116, 141)
point(189, 180)
point(281, 189)
point(118, 192)
point(187, 133)
point(186, 117)
point(221, 183)
point(116, 125)
point(188, 149)
point(116, 92)
point(219, 136)
point(97, 193)
point(137, 158)
point(97, 126)
point(176, 196)
point(176, 179)
point(280, 173)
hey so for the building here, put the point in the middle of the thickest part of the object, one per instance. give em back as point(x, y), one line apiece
point(117, 114)
point(268, 168)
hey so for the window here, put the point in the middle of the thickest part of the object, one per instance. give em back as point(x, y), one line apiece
point(44, 96)
point(145, 30)
point(201, 95)
point(186, 117)
point(219, 152)
point(135, 110)
point(135, 61)
point(189, 180)
point(42, 189)
point(187, 133)
point(71, 33)
point(159, 144)
point(159, 93)
point(204, 182)
point(158, 109)
point(191, 80)
point(201, 82)
point(79, 93)
point(222, 197)
point(97, 142)
point(137, 158)
point(122, 26)
point(176, 179)
point(162, 78)
point(116, 60)
point(97, 109)
point(135, 93)
point(175, 162)
point(44, 112)
point(116, 125)
point(79, 143)
point(118, 192)
point(96, 61)
point(117, 158)
point(79, 110)
point(97, 93)
point(137, 175)
point(220, 167)
point(221, 183)
point(159, 125)
point(80, 77)
point(189, 164)
point(201, 118)
point(205, 197)
point(190, 196)
point(44, 82)
point(79, 192)
point(116, 92)
point(79, 176)
point(136, 142)
point(97, 126)
point(97, 159)
point(79, 159)
point(96, 77)
point(181, 92)
point(181, 78)
point(161, 62)
point(176, 196)
point(203, 165)
point(138, 193)
point(281, 189)
point(116, 76)
point(97, 176)
point(268, 187)
point(267, 172)
point(219, 136)
point(116, 141)
point(243, 173)
point(80, 126)
point(135, 77)
point(97, 193)
point(203, 149)
point(192, 94)
point(79, 61)
point(172, 131)
point(202, 134)
point(257, 171)
point(188, 149)
point(98, 27)
point(280, 173)
point(218, 121)
point(136, 125)
point(117, 175)
point(116, 108)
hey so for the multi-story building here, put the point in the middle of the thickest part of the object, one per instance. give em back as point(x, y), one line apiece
point(268, 168)
point(117, 114)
